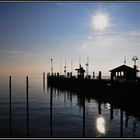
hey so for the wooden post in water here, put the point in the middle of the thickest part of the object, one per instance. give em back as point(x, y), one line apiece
point(64, 98)
point(111, 112)
point(27, 105)
point(99, 75)
point(126, 120)
point(121, 123)
point(83, 116)
point(51, 100)
point(43, 80)
point(99, 107)
point(93, 75)
point(10, 106)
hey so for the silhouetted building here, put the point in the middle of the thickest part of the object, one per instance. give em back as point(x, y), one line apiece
point(80, 72)
point(123, 73)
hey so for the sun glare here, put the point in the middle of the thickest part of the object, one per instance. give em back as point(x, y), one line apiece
point(100, 125)
point(100, 21)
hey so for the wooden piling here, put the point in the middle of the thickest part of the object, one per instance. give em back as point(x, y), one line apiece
point(126, 120)
point(64, 98)
point(121, 123)
point(57, 74)
point(10, 107)
point(70, 74)
point(51, 101)
point(27, 105)
point(93, 75)
point(99, 107)
point(43, 80)
point(100, 75)
point(111, 112)
point(83, 117)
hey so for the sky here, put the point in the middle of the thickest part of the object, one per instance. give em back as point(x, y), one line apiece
point(33, 33)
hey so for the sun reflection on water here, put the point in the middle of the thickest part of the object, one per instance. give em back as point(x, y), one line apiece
point(108, 106)
point(100, 125)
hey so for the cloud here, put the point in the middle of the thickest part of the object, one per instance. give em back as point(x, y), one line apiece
point(111, 43)
point(90, 37)
point(134, 33)
point(15, 53)
point(14, 57)
point(59, 40)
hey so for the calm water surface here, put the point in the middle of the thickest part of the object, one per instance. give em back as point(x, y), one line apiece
point(55, 113)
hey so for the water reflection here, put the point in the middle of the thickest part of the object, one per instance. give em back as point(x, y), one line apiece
point(121, 123)
point(126, 120)
point(83, 117)
point(101, 125)
point(66, 115)
point(108, 106)
point(111, 112)
point(134, 127)
point(99, 106)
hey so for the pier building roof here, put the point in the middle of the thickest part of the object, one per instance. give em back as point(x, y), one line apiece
point(123, 68)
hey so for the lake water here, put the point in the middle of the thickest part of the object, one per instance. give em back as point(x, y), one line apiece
point(56, 113)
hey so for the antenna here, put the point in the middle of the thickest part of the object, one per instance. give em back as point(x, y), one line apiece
point(65, 68)
point(135, 58)
point(79, 61)
point(60, 66)
point(124, 60)
point(51, 66)
point(87, 64)
point(71, 65)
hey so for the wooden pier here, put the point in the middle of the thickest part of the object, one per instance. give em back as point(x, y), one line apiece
point(124, 95)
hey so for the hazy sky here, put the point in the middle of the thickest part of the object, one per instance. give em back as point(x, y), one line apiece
point(33, 33)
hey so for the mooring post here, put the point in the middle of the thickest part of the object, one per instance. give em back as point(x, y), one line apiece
point(70, 74)
point(64, 98)
point(43, 80)
point(83, 116)
point(99, 75)
point(99, 107)
point(126, 120)
point(10, 106)
point(111, 112)
point(121, 123)
point(93, 75)
point(27, 105)
point(51, 101)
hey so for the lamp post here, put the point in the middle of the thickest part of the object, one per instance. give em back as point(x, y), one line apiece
point(51, 66)
point(135, 58)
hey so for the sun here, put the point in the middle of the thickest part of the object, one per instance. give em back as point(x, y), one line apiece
point(100, 21)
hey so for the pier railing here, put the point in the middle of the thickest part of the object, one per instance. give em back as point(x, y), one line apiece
point(75, 76)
